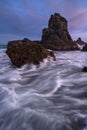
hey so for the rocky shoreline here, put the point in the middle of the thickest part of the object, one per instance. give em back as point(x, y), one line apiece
point(56, 37)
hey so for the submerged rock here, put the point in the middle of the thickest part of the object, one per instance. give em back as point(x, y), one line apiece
point(56, 36)
point(25, 51)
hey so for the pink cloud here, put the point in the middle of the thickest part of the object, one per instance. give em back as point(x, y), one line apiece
point(78, 20)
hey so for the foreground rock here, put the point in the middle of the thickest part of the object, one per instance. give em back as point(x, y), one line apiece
point(56, 36)
point(25, 51)
point(84, 48)
point(84, 69)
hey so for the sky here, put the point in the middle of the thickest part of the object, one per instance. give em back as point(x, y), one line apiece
point(27, 18)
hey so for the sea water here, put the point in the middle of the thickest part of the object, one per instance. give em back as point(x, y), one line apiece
point(51, 96)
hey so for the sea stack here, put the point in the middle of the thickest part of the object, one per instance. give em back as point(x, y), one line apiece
point(56, 36)
point(80, 42)
point(25, 51)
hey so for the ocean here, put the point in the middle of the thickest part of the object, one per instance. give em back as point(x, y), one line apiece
point(51, 96)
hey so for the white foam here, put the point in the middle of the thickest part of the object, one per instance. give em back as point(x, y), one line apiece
point(80, 46)
point(58, 85)
point(55, 89)
point(46, 61)
point(8, 99)
point(13, 75)
point(27, 68)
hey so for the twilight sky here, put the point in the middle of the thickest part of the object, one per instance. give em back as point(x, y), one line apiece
point(27, 18)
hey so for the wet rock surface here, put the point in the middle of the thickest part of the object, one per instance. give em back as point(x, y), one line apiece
point(25, 51)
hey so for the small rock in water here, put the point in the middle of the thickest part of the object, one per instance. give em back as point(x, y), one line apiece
point(84, 69)
point(84, 48)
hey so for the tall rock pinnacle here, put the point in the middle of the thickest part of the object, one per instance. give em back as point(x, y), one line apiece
point(57, 35)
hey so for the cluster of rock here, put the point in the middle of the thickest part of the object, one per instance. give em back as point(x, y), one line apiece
point(56, 36)
point(25, 51)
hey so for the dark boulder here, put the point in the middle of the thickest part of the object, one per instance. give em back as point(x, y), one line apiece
point(84, 48)
point(80, 42)
point(84, 69)
point(56, 36)
point(25, 51)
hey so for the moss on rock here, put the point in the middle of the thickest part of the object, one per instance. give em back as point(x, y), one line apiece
point(25, 51)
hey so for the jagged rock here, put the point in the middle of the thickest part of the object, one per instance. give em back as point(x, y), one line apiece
point(84, 48)
point(25, 51)
point(84, 69)
point(56, 36)
point(80, 42)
